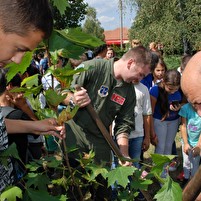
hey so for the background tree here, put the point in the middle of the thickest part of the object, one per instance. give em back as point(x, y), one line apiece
point(72, 15)
point(174, 23)
point(92, 25)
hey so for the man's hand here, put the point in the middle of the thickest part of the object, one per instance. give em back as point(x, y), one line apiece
point(125, 163)
point(81, 97)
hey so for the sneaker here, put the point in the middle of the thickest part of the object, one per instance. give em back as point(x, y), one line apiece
point(180, 177)
point(173, 166)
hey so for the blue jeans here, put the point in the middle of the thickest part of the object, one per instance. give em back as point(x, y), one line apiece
point(135, 148)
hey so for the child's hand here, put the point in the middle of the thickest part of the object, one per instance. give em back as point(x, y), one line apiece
point(187, 148)
point(175, 107)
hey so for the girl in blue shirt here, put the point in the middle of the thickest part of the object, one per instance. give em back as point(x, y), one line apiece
point(165, 112)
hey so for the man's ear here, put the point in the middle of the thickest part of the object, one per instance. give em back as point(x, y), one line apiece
point(130, 61)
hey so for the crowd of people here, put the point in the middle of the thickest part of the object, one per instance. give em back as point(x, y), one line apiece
point(146, 101)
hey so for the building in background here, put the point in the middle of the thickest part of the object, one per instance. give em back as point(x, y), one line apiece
point(113, 37)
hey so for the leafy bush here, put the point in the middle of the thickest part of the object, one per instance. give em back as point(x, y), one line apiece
point(172, 61)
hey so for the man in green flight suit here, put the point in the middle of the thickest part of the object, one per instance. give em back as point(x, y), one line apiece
point(108, 86)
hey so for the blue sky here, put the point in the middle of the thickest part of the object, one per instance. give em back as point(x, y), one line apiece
point(109, 15)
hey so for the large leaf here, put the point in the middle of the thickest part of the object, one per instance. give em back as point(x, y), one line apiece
point(65, 75)
point(78, 37)
point(33, 166)
point(137, 182)
point(120, 175)
point(15, 68)
point(35, 195)
point(11, 194)
point(38, 181)
point(46, 113)
point(10, 151)
point(170, 191)
point(30, 81)
point(95, 171)
point(58, 42)
point(28, 91)
point(159, 161)
point(53, 98)
point(61, 5)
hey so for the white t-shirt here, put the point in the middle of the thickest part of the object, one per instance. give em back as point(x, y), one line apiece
point(143, 107)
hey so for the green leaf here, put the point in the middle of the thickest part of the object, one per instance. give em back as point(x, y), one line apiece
point(53, 98)
point(33, 166)
point(63, 198)
point(65, 75)
point(15, 68)
point(28, 91)
point(61, 182)
point(120, 175)
point(159, 161)
point(38, 181)
point(11, 193)
point(170, 191)
point(78, 37)
point(30, 81)
point(61, 5)
point(95, 171)
point(54, 163)
point(10, 151)
point(138, 183)
point(72, 42)
point(35, 195)
point(46, 113)
point(58, 42)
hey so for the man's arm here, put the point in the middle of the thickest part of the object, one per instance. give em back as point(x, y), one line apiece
point(122, 141)
point(42, 127)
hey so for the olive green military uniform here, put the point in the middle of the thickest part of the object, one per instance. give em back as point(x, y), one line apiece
point(111, 100)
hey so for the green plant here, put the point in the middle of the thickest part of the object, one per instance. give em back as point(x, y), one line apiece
point(50, 179)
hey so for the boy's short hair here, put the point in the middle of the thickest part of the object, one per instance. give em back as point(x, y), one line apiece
point(22, 16)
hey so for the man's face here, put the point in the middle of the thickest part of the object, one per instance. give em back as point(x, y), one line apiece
point(13, 46)
point(136, 72)
point(191, 89)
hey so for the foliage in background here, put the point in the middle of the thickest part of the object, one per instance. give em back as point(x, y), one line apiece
point(70, 17)
point(92, 25)
point(174, 23)
point(172, 61)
